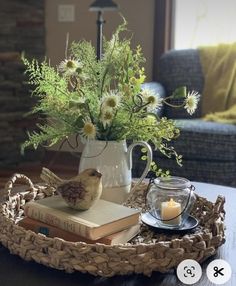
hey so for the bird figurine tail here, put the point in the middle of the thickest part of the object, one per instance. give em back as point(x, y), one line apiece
point(50, 178)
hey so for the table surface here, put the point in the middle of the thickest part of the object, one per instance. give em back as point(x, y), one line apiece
point(16, 271)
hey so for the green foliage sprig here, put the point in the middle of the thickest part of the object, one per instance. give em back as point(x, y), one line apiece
point(102, 99)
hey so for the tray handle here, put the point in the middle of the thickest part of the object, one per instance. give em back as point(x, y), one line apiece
point(19, 178)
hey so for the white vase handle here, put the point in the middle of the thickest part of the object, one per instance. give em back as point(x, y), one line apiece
point(148, 164)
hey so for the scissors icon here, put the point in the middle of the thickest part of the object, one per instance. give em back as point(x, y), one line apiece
point(218, 271)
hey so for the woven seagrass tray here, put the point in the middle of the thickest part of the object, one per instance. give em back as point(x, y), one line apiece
point(147, 252)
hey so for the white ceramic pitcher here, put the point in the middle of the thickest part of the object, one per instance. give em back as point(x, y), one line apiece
point(114, 160)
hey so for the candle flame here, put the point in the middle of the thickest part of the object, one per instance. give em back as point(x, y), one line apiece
point(171, 203)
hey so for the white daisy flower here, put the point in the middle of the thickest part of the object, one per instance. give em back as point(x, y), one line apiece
point(69, 67)
point(89, 130)
point(107, 116)
point(111, 99)
point(191, 101)
point(153, 100)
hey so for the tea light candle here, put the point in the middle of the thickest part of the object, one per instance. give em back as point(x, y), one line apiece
point(169, 210)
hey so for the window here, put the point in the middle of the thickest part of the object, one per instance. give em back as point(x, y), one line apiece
point(203, 22)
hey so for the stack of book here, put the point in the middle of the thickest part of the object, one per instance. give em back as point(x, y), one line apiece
point(105, 222)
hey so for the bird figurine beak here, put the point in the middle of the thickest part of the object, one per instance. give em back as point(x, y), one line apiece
point(99, 175)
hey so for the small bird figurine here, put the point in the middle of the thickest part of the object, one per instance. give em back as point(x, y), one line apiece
point(79, 192)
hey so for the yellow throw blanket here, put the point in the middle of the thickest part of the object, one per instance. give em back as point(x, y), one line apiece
point(219, 94)
point(228, 116)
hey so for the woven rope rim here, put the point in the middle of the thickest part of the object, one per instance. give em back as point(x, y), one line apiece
point(147, 252)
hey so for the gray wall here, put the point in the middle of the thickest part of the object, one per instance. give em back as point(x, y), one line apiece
point(138, 13)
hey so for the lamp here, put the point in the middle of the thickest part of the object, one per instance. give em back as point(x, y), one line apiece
point(100, 6)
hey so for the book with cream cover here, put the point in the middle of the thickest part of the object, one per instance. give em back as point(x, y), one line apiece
point(53, 231)
point(100, 220)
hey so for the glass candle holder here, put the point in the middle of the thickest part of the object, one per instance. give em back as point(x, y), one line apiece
point(170, 201)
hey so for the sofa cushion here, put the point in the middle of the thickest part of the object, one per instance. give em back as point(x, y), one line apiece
point(208, 149)
point(204, 140)
point(181, 68)
point(216, 172)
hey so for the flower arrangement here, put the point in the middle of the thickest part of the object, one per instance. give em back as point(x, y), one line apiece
point(103, 99)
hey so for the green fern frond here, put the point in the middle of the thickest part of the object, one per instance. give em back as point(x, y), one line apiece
point(47, 136)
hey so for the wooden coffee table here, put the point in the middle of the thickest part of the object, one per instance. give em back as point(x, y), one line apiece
point(16, 272)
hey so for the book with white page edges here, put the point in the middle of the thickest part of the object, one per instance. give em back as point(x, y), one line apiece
point(100, 220)
point(119, 237)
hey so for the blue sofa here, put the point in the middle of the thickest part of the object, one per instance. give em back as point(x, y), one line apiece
point(208, 148)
